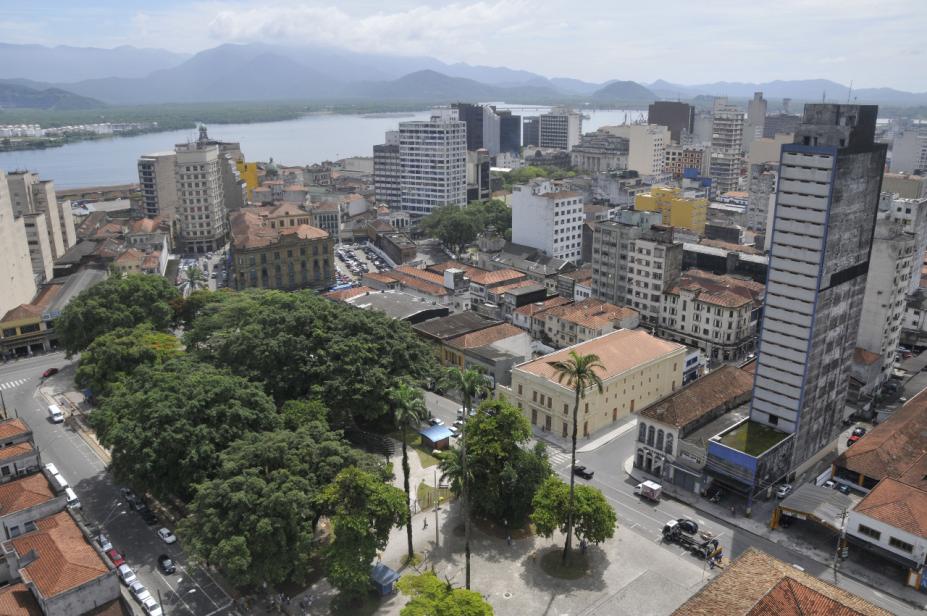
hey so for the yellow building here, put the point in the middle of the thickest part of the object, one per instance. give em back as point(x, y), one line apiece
point(639, 369)
point(249, 175)
point(677, 208)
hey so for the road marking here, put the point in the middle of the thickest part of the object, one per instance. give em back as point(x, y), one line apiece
point(173, 590)
point(13, 384)
point(224, 607)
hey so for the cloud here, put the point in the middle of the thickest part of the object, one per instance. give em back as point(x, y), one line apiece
point(419, 30)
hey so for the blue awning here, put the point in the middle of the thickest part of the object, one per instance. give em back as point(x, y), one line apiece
point(383, 575)
point(435, 433)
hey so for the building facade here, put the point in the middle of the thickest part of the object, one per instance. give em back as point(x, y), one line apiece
point(548, 219)
point(654, 266)
point(726, 146)
point(678, 158)
point(433, 162)
point(387, 171)
point(756, 120)
point(17, 282)
point(677, 208)
point(678, 117)
point(509, 132)
point(158, 185)
point(531, 131)
point(612, 250)
point(560, 129)
point(201, 213)
point(600, 151)
point(761, 196)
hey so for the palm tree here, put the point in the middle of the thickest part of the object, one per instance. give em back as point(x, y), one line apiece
point(194, 278)
point(471, 384)
point(579, 373)
point(408, 411)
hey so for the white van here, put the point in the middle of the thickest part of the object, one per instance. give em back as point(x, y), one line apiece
point(55, 413)
point(73, 501)
point(61, 482)
point(52, 469)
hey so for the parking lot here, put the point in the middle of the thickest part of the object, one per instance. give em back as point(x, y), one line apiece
point(213, 266)
point(355, 260)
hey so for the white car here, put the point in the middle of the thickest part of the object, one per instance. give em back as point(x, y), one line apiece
point(167, 536)
point(127, 575)
point(783, 490)
point(139, 592)
point(104, 543)
point(151, 607)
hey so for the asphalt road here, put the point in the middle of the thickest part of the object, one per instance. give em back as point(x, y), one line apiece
point(190, 591)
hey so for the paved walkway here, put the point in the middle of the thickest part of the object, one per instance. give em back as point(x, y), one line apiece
point(585, 444)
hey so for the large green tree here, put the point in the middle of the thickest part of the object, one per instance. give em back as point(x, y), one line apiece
point(433, 597)
point(362, 509)
point(115, 355)
point(578, 372)
point(583, 511)
point(458, 226)
point(301, 345)
point(409, 412)
point(167, 425)
point(263, 503)
point(118, 301)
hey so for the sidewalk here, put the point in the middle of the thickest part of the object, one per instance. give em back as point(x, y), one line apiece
point(585, 444)
point(759, 526)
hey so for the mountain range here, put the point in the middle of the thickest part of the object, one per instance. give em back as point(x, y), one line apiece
point(262, 72)
point(18, 96)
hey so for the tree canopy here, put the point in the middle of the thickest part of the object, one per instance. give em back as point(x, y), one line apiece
point(118, 301)
point(593, 518)
point(362, 509)
point(433, 597)
point(301, 345)
point(263, 503)
point(115, 355)
point(458, 226)
point(530, 172)
point(168, 424)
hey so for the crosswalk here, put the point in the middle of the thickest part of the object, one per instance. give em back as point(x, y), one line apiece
point(558, 458)
point(12, 384)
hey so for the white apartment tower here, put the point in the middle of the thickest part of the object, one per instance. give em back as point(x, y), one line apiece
point(158, 185)
point(562, 128)
point(17, 282)
point(727, 130)
point(549, 219)
point(433, 162)
point(201, 217)
point(913, 213)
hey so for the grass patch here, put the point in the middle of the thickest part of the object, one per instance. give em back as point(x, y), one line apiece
point(367, 605)
point(424, 455)
point(752, 438)
point(499, 530)
point(427, 495)
point(412, 562)
point(552, 564)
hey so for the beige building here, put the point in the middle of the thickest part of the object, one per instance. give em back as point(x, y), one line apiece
point(49, 227)
point(587, 319)
point(158, 184)
point(17, 283)
point(646, 148)
point(904, 185)
point(766, 149)
point(639, 369)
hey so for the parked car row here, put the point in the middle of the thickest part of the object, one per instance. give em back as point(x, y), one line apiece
point(348, 256)
point(130, 579)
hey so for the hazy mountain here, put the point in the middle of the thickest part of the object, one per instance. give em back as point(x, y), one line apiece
point(576, 86)
point(64, 63)
point(624, 91)
point(18, 96)
point(799, 90)
point(433, 86)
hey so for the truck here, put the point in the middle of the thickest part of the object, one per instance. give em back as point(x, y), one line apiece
point(701, 544)
point(649, 489)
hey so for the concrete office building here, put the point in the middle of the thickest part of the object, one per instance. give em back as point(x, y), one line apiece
point(647, 146)
point(30, 195)
point(726, 146)
point(756, 120)
point(909, 150)
point(478, 178)
point(600, 151)
point(433, 162)
point(761, 195)
point(825, 215)
point(679, 118)
point(158, 185)
point(548, 218)
point(913, 214)
point(905, 185)
point(560, 129)
point(612, 250)
point(780, 123)
point(472, 116)
point(678, 208)
point(387, 184)
point(492, 131)
point(509, 131)
point(201, 215)
point(654, 266)
point(531, 131)
point(17, 282)
point(678, 158)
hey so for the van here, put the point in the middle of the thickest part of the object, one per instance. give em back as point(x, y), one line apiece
point(52, 469)
point(60, 481)
point(55, 413)
point(72, 500)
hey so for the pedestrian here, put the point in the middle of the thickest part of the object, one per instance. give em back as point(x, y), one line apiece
point(508, 540)
point(733, 510)
point(425, 524)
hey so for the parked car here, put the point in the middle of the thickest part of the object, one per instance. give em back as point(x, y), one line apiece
point(688, 526)
point(843, 488)
point(167, 536)
point(130, 496)
point(436, 421)
point(116, 557)
point(147, 514)
point(783, 490)
point(583, 472)
point(139, 591)
point(830, 483)
point(126, 574)
point(859, 431)
point(103, 542)
point(852, 440)
point(166, 564)
point(151, 607)
point(49, 372)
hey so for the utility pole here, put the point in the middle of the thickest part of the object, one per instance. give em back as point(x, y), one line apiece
point(3, 403)
point(841, 541)
point(437, 507)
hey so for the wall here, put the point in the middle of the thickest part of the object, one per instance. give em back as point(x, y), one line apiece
point(17, 285)
point(83, 598)
point(920, 544)
point(32, 514)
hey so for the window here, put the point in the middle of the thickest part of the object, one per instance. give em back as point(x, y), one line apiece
point(642, 433)
point(870, 532)
point(669, 443)
point(650, 434)
point(901, 545)
point(519, 389)
point(659, 444)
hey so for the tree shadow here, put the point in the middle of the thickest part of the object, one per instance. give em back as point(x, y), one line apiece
point(535, 576)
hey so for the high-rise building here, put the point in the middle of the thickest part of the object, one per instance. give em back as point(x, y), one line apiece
point(49, 226)
point(678, 209)
point(646, 146)
point(655, 263)
point(433, 162)
point(472, 116)
point(679, 118)
point(913, 214)
point(201, 214)
point(478, 178)
point(826, 206)
point(17, 282)
point(387, 174)
point(491, 131)
point(909, 151)
point(560, 129)
point(531, 131)
point(509, 131)
point(158, 184)
point(234, 190)
point(726, 146)
point(780, 123)
point(761, 195)
point(756, 120)
point(548, 218)
point(612, 253)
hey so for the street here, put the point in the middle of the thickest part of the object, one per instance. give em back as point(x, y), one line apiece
point(190, 591)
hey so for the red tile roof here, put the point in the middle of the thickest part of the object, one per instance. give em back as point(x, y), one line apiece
point(17, 600)
point(590, 313)
point(726, 291)
point(508, 287)
point(37, 307)
point(792, 598)
point(536, 307)
point(64, 558)
point(346, 294)
point(898, 505)
point(486, 336)
point(487, 278)
point(422, 274)
point(24, 493)
point(725, 387)
point(10, 428)
point(16, 450)
point(249, 230)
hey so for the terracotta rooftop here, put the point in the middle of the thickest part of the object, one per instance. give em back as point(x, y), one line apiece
point(421, 274)
point(441, 267)
point(591, 313)
point(618, 351)
point(18, 600)
point(325, 206)
point(536, 307)
point(416, 283)
point(511, 286)
point(18, 449)
point(487, 278)
point(346, 294)
point(10, 428)
point(249, 230)
point(898, 505)
point(719, 290)
point(64, 558)
point(725, 387)
point(485, 336)
point(42, 301)
point(757, 584)
point(131, 256)
point(287, 208)
point(24, 493)
point(305, 232)
point(862, 356)
point(145, 225)
point(893, 447)
point(380, 277)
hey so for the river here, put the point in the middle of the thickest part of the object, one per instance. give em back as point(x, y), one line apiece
point(305, 140)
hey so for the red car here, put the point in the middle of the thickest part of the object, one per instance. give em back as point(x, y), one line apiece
point(853, 439)
point(49, 372)
point(116, 557)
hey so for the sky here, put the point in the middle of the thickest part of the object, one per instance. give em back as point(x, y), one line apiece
point(871, 42)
